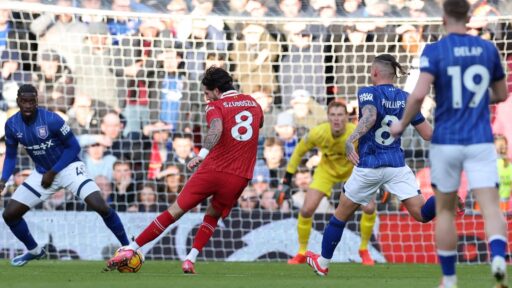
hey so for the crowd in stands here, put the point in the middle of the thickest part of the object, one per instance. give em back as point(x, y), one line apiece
point(129, 87)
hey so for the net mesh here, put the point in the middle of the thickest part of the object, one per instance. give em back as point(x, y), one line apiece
point(128, 84)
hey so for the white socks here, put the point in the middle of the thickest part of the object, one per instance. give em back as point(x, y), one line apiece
point(449, 281)
point(192, 255)
point(134, 246)
point(324, 263)
point(36, 250)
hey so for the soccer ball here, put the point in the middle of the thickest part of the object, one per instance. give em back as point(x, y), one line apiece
point(134, 263)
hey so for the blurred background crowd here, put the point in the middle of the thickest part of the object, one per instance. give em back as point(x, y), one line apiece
point(129, 84)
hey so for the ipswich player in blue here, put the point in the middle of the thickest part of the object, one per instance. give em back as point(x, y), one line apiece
point(380, 161)
point(52, 146)
point(462, 68)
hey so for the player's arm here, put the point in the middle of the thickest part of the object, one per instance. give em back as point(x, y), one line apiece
point(499, 91)
point(368, 118)
point(11, 148)
point(423, 127)
point(214, 118)
point(414, 102)
point(69, 154)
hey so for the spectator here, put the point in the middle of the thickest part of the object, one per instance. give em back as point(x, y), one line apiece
point(124, 190)
point(306, 112)
point(202, 40)
point(122, 26)
point(302, 66)
point(16, 39)
point(261, 178)
point(270, 112)
point(11, 78)
point(254, 55)
point(97, 162)
point(135, 68)
point(172, 84)
point(273, 153)
point(93, 66)
point(174, 181)
point(504, 171)
point(158, 132)
point(302, 180)
point(182, 149)
point(91, 4)
point(249, 200)
point(62, 33)
point(177, 26)
point(269, 203)
point(286, 133)
point(85, 115)
point(54, 82)
point(147, 200)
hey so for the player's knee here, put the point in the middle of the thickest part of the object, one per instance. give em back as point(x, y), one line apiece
point(369, 209)
point(306, 212)
point(8, 216)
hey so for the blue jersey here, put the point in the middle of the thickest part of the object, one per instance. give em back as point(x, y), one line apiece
point(48, 140)
point(377, 148)
point(463, 67)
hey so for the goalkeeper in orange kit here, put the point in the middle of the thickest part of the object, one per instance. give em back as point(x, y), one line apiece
point(334, 168)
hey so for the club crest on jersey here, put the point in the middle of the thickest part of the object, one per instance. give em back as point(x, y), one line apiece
point(42, 132)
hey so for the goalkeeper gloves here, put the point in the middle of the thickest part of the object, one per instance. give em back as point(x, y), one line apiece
point(284, 191)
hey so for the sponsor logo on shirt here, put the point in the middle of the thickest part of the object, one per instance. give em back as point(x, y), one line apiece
point(39, 149)
point(366, 97)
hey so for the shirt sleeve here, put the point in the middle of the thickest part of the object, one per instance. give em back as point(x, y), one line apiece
point(365, 96)
point(427, 60)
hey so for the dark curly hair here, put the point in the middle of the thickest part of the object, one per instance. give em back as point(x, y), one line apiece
point(27, 89)
point(216, 77)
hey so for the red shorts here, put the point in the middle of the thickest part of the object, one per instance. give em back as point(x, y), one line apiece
point(225, 189)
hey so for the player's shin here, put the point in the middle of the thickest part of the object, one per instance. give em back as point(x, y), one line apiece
point(332, 236)
point(157, 227)
point(304, 230)
point(367, 223)
point(20, 229)
point(203, 235)
point(115, 225)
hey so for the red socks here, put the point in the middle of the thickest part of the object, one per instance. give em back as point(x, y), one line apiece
point(205, 232)
point(154, 229)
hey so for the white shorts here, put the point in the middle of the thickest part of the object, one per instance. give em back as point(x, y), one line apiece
point(448, 161)
point(364, 183)
point(73, 178)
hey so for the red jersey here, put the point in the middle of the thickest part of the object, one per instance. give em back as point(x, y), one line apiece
point(235, 153)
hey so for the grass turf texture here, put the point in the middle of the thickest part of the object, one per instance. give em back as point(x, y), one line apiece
point(224, 275)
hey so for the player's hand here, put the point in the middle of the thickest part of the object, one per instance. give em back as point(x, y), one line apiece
point(352, 155)
point(396, 129)
point(48, 178)
point(194, 162)
point(284, 190)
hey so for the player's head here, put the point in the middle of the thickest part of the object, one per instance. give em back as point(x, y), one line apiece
point(337, 115)
point(385, 68)
point(27, 100)
point(501, 143)
point(456, 11)
point(215, 82)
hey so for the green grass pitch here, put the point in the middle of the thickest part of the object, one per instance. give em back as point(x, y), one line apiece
point(61, 274)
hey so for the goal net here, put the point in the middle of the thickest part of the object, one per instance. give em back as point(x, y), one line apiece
point(128, 84)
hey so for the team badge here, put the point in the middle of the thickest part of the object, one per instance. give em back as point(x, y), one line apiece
point(42, 132)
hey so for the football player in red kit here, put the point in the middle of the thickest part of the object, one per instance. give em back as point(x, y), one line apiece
point(226, 163)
